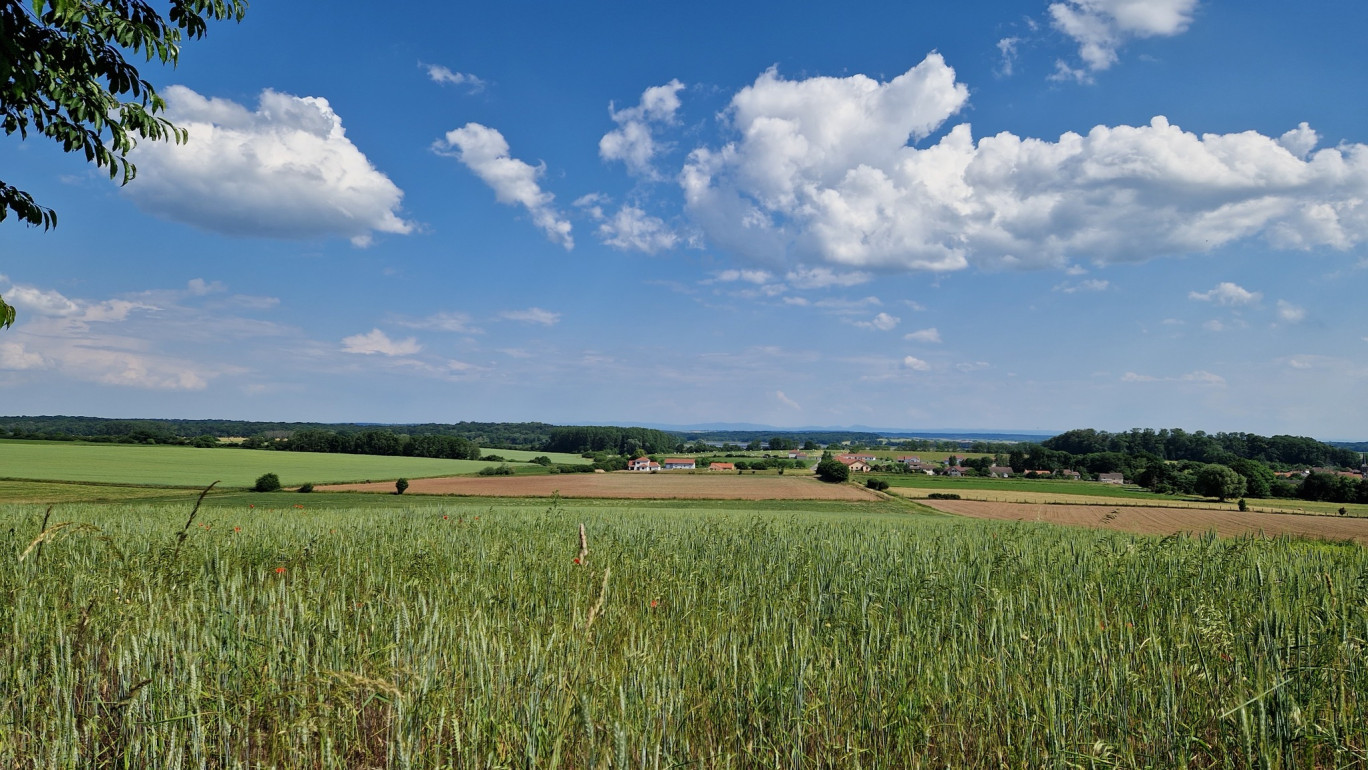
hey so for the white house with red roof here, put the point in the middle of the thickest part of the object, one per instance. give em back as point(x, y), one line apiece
point(643, 464)
point(679, 464)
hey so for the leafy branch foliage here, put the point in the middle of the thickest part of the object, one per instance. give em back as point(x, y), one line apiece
point(65, 74)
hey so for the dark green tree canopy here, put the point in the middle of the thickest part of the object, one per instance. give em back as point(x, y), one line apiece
point(65, 74)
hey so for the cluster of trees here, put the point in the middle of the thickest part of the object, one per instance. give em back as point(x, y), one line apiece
point(259, 435)
point(376, 441)
point(579, 439)
point(1249, 478)
point(1223, 448)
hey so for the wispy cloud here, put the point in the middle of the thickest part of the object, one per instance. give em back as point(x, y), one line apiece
point(882, 322)
point(485, 152)
point(532, 315)
point(443, 76)
point(931, 335)
point(376, 341)
point(1227, 293)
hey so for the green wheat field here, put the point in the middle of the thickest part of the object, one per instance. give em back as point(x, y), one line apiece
point(331, 631)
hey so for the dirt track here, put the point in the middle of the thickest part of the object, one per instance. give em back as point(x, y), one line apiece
point(1164, 521)
point(641, 486)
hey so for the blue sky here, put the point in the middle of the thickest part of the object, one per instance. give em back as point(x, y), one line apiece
point(991, 215)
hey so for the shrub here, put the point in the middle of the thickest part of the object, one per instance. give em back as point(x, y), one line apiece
point(942, 496)
point(542, 460)
point(267, 482)
point(493, 458)
point(1243, 505)
point(306, 487)
point(400, 486)
point(878, 485)
point(501, 470)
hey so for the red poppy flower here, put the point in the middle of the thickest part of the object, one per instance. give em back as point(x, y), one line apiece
point(577, 561)
point(237, 529)
point(655, 603)
point(444, 518)
point(280, 570)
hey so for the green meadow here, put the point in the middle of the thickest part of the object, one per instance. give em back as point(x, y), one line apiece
point(350, 631)
point(192, 467)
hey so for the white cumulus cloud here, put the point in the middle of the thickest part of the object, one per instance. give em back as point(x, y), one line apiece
point(485, 152)
point(1101, 27)
point(883, 322)
point(376, 341)
point(15, 357)
point(632, 229)
point(832, 174)
point(633, 142)
point(916, 364)
point(34, 300)
point(931, 335)
point(1227, 293)
point(283, 170)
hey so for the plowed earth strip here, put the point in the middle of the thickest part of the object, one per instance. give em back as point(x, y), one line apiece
point(1164, 521)
point(628, 485)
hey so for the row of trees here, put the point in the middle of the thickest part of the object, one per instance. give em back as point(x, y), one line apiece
point(381, 442)
point(580, 439)
point(1223, 448)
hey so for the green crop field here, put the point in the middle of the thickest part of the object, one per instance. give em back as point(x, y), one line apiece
point(1055, 486)
point(187, 466)
point(424, 634)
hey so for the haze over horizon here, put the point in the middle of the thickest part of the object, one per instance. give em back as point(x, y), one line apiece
point(1084, 213)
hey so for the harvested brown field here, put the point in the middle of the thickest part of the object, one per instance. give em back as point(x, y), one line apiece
point(1164, 521)
point(640, 486)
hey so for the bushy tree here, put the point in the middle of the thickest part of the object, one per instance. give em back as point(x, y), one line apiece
point(400, 486)
point(267, 482)
point(833, 471)
point(1258, 478)
point(1219, 482)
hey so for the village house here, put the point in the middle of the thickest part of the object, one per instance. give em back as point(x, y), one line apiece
point(643, 464)
point(954, 471)
point(1111, 478)
point(854, 463)
point(909, 460)
point(679, 464)
point(1000, 471)
point(721, 466)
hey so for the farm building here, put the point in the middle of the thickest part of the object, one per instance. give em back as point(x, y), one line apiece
point(721, 466)
point(855, 464)
point(1111, 478)
point(679, 464)
point(643, 464)
point(999, 471)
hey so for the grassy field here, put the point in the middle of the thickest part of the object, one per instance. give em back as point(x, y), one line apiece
point(187, 466)
point(425, 634)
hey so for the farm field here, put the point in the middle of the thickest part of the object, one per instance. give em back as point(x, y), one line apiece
point(191, 467)
point(921, 481)
point(440, 632)
point(625, 484)
point(1166, 521)
point(1076, 493)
